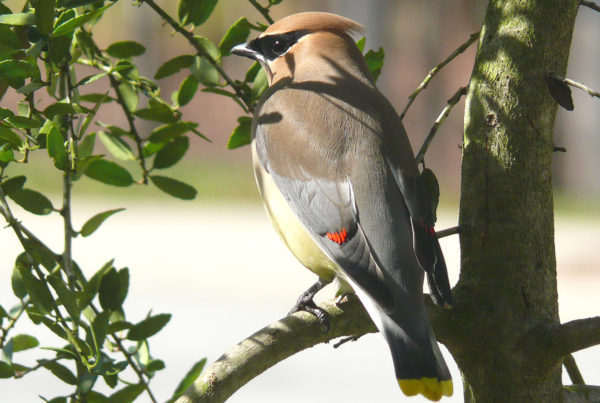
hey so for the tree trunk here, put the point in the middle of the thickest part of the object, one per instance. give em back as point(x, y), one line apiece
point(507, 296)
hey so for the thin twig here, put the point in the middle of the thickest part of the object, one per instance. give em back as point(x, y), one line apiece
point(263, 10)
point(347, 339)
point(575, 84)
point(436, 69)
point(201, 51)
point(447, 232)
point(559, 149)
point(590, 4)
point(438, 122)
point(573, 370)
point(13, 321)
point(40, 364)
point(132, 129)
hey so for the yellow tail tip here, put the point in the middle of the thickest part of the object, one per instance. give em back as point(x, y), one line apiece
point(431, 388)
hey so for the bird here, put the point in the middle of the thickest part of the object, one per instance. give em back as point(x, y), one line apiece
point(340, 184)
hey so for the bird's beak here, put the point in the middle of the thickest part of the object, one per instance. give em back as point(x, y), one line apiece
point(244, 50)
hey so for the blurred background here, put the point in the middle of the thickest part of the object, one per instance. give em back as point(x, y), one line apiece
point(216, 264)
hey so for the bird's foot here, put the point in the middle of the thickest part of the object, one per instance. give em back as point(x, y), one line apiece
point(308, 305)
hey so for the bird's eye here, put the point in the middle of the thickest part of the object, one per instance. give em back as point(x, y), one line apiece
point(279, 46)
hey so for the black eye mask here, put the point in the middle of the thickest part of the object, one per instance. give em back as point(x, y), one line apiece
point(273, 46)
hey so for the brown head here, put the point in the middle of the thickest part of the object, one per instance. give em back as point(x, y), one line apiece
point(306, 46)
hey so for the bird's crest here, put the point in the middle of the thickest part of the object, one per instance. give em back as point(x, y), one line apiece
point(314, 21)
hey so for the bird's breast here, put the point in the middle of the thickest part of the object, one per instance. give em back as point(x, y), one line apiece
point(289, 228)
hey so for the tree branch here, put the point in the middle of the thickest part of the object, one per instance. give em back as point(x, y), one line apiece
point(436, 69)
point(439, 121)
point(274, 343)
point(201, 51)
point(572, 369)
point(572, 83)
point(263, 10)
point(590, 4)
point(576, 335)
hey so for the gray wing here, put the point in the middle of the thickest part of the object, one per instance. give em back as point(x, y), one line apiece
point(327, 210)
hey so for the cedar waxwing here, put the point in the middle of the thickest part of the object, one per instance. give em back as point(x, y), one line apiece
point(341, 186)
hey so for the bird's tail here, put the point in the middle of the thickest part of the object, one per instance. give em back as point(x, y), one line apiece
point(418, 362)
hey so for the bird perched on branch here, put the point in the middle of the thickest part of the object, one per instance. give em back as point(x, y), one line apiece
point(341, 186)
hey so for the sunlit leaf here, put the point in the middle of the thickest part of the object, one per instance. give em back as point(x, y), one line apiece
point(165, 133)
point(117, 147)
point(70, 25)
point(56, 148)
point(174, 65)
point(18, 19)
point(195, 12)
point(61, 372)
point(93, 223)
point(241, 134)
point(170, 154)
point(189, 378)
point(32, 201)
point(109, 172)
point(236, 34)
point(128, 394)
point(187, 90)
point(22, 342)
point(110, 290)
point(125, 49)
point(174, 187)
point(375, 62)
point(148, 327)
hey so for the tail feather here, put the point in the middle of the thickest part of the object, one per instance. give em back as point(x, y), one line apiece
point(418, 362)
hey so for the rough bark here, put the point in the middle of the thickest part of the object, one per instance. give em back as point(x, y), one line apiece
point(506, 298)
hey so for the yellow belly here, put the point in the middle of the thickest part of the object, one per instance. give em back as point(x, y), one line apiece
point(292, 232)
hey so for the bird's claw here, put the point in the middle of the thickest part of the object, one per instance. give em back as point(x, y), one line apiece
point(312, 308)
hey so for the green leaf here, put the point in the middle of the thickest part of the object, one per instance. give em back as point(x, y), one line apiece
point(60, 399)
point(24, 342)
point(110, 290)
point(86, 147)
point(130, 96)
point(109, 172)
point(205, 72)
point(70, 25)
point(158, 112)
point(6, 370)
point(236, 34)
point(119, 326)
point(22, 122)
point(93, 223)
point(189, 378)
point(241, 134)
point(124, 280)
point(18, 19)
point(6, 153)
point(148, 327)
point(9, 40)
point(56, 148)
point(125, 49)
point(117, 147)
point(195, 12)
point(165, 133)
point(13, 184)
point(360, 44)
point(375, 62)
point(209, 47)
point(171, 153)
point(174, 65)
point(37, 290)
point(260, 85)
point(7, 135)
point(174, 187)
point(96, 98)
point(5, 113)
point(155, 365)
point(44, 15)
point(17, 283)
point(187, 90)
point(128, 394)
point(100, 327)
point(32, 201)
point(433, 190)
point(59, 108)
point(61, 372)
point(66, 296)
